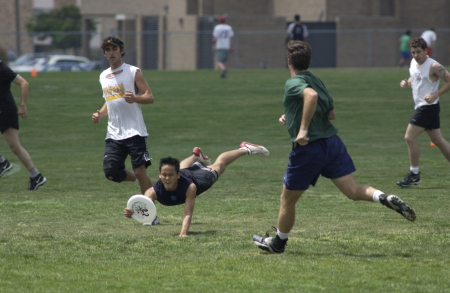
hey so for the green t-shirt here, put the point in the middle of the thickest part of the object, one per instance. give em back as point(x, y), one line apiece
point(404, 43)
point(320, 126)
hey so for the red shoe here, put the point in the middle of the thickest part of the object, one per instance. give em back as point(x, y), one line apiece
point(201, 157)
point(254, 149)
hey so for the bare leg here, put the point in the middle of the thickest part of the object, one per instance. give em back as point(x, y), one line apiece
point(286, 216)
point(412, 132)
point(436, 137)
point(348, 186)
point(221, 65)
point(144, 180)
point(11, 136)
point(226, 158)
point(188, 161)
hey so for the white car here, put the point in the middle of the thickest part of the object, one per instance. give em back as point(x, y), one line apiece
point(40, 63)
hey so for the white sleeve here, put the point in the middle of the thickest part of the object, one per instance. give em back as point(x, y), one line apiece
point(305, 31)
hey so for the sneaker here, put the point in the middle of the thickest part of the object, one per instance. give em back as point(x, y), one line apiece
point(224, 74)
point(4, 167)
point(36, 181)
point(270, 244)
point(254, 149)
point(152, 223)
point(395, 203)
point(410, 179)
point(202, 158)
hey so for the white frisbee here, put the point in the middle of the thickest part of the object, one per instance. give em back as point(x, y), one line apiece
point(144, 210)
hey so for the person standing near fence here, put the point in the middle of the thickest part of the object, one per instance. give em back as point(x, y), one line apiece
point(404, 48)
point(222, 44)
point(430, 37)
point(425, 76)
point(297, 31)
point(9, 124)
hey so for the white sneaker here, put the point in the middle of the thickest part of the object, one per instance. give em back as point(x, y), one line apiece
point(152, 223)
point(201, 157)
point(254, 149)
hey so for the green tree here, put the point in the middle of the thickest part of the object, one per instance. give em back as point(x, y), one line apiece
point(62, 24)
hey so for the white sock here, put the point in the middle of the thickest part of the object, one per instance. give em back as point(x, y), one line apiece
point(415, 170)
point(34, 172)
point(283, 236)
point(376, 195)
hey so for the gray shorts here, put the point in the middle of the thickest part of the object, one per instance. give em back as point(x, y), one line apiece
point(222, 55)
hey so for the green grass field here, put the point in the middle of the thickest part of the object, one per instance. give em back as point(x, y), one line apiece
point(71, 236)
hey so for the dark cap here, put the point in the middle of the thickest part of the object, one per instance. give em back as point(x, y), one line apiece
point(222, 19)
point(111, 41)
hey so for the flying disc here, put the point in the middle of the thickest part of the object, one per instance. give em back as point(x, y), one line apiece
point(144, 210)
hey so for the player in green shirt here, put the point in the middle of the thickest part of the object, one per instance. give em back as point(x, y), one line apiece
point(317, 150)
point(404, 48)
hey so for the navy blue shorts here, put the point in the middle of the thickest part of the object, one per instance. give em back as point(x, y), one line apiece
point(327, 157)
point(427, 117)
point(118, 150)
point(203, 177)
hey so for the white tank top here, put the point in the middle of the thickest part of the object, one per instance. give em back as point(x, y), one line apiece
point(124, 120)
point(421, 83)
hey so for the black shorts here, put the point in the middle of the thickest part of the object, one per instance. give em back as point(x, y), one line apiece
point(202, 176)
point(8, 121)
point(427, 117)
point(118, 150)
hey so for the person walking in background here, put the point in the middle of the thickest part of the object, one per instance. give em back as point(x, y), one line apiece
point(126, 132)
point(222, 44)
point(404, 49)
point(297, 31)
point(430, 37)
point(9, 124)
point(316, 150)
point(425, 76)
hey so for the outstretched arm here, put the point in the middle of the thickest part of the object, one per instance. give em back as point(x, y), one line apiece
point(22, 112)
point(188, 209)
point(309, 107)
point(438, 71)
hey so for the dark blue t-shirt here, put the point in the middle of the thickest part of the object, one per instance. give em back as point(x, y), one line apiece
point(174, 197)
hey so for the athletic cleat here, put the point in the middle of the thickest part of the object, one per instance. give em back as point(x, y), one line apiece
point(4, 167)
point(395, 203)
point(152, 223)
point(410, 179)
point(270, 244)
point(201, 157)
point(36, 181)
point(254, 149)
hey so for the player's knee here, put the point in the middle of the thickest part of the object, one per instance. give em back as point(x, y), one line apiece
point(113, 172)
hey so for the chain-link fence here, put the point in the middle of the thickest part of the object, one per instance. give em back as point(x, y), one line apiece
point(153, 49)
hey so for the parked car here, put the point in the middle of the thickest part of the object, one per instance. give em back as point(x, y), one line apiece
point(22, 60)
point(40, 63)
point(64, 66)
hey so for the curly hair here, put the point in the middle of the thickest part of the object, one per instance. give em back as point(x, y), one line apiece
point(418, 43)
point(299, 54)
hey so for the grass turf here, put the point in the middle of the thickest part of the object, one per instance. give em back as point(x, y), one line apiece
point(70, 235)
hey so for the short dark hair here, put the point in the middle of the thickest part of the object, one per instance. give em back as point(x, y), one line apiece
point(299, 54)
point(170, 161)
point(113, 40)
point(297, 17)
point(418, 43)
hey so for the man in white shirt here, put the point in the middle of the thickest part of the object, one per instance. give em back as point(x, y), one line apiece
point(425, 76)
point(430, 37)
point(124, 90)
point(222, 44)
